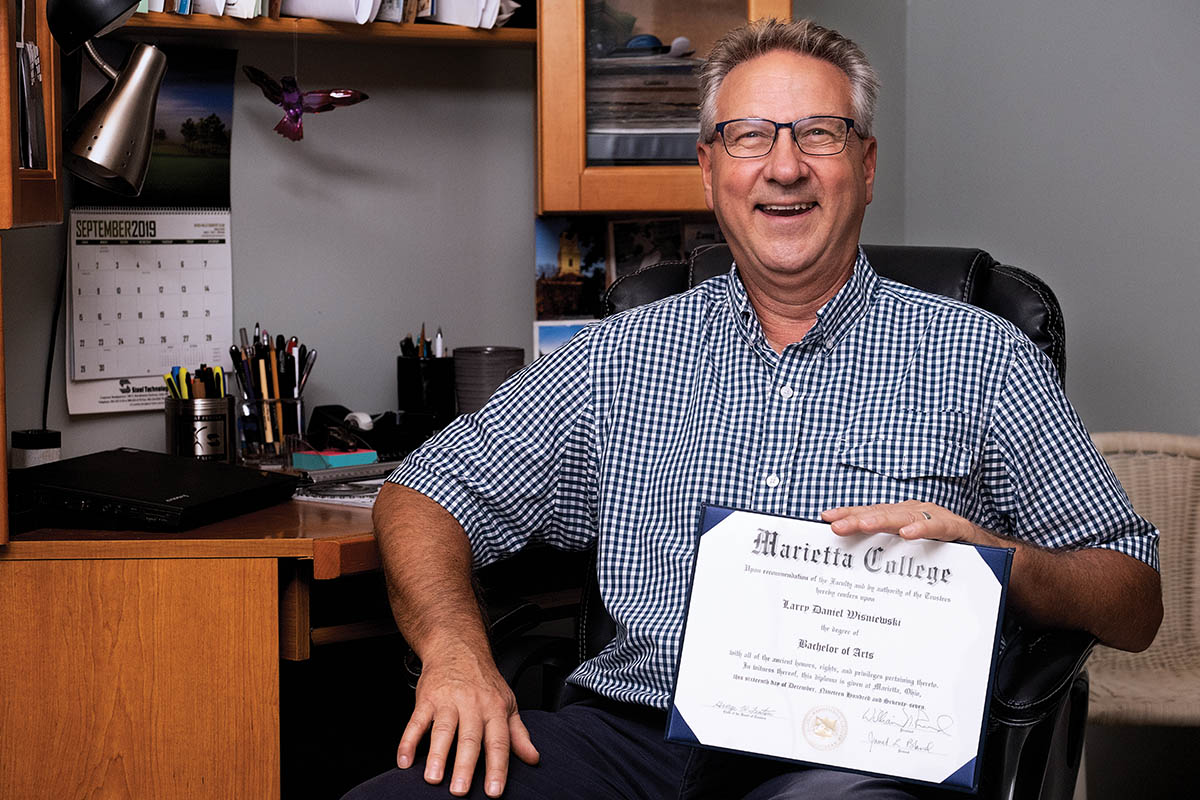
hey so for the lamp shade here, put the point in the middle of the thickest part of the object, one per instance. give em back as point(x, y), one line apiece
point(108, 141)
point(73, 22)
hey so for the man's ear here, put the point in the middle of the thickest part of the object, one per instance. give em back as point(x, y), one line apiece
point(869, 154)
point(704, 155)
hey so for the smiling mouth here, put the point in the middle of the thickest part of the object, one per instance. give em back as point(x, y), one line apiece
point(789, 210)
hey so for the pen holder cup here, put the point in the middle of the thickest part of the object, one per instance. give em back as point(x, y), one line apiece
point(204, 429)
point(426, 386)
point(266, 423)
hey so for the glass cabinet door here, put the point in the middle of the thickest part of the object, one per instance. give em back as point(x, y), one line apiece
point(617, 95)
point(30, 190)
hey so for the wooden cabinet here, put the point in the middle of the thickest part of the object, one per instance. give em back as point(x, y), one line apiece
point(567, 181)
point(28, 196)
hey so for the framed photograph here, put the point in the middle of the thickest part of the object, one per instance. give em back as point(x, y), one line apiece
point(571, 269)
point(698, 234)
point(549, 336)
point(637, 243)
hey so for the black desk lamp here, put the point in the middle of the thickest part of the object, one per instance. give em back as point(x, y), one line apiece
point(108, 140)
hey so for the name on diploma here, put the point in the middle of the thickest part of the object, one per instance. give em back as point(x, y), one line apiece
point(868, 653)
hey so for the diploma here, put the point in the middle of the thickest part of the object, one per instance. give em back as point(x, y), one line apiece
point(867, 653)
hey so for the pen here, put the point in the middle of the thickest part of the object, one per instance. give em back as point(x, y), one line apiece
point(438, 344)
point(235, 355)
point(308, 365)
point(293, 369)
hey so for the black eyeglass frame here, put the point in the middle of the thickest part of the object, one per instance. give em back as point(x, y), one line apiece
point(719, 130)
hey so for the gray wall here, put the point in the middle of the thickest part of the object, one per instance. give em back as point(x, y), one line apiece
point(415, 206)
point(1058, 136)
point(877, 26)
point(1062, 137)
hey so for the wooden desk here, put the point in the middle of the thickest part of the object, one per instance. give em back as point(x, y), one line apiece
point(147, 665)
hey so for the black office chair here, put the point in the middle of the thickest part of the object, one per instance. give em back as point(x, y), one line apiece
point(1039, 705)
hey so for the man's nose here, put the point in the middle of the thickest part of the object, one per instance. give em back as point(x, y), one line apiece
point(786, 164)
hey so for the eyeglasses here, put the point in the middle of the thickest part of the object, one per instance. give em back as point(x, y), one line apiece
point(815, 136)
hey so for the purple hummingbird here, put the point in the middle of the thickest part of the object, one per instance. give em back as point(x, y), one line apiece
point(287, 94)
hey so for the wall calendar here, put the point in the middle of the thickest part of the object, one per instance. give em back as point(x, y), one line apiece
point(148, 289)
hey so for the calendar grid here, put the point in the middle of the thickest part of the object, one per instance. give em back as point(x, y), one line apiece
point(149, 288)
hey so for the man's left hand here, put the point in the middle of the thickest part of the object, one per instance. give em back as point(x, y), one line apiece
point(911, 519)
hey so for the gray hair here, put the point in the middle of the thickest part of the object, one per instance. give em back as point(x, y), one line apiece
point(803, 36)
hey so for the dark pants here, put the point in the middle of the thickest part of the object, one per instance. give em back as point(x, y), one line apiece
point(598, 749)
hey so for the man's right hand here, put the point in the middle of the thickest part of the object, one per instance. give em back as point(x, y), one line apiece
point(462, 697)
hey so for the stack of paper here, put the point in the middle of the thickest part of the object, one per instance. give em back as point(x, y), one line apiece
point(474, 13)
point(360, 11)
point(469, 13)
point(243, 9)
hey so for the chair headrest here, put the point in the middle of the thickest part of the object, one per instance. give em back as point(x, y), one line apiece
point(963, 273)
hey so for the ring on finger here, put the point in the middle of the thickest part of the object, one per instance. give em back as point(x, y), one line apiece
point(926, 515)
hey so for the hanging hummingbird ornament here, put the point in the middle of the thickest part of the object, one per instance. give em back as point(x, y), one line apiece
point(286, 94)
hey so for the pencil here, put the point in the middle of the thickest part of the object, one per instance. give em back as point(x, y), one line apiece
point(275, 390)
point(266, 406)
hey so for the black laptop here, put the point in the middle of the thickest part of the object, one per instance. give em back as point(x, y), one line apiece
point(128, 489)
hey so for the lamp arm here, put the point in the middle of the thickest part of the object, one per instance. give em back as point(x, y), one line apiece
point(100, 63)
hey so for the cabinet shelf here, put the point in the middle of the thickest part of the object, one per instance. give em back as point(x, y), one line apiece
point(382, 32)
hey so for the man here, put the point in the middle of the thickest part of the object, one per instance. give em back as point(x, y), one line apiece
point(799, 383)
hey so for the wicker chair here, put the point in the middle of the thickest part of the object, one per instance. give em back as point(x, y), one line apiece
point(1160, 686)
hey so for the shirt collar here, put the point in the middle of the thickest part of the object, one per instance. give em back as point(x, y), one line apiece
point(834, 319)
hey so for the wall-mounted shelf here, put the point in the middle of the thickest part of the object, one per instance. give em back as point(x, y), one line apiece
point(382, 32)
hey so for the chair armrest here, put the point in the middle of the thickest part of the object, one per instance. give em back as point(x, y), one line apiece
point(1035, 671)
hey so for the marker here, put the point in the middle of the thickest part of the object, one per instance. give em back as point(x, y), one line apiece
point(437, 344)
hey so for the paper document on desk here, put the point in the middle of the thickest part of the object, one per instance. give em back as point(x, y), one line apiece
point(360, 493)
point(867, 653)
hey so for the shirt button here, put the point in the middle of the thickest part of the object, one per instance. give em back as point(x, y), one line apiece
point(786, 392)
point(772, 480)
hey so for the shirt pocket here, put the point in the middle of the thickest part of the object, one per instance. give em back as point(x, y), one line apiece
point(905, 456)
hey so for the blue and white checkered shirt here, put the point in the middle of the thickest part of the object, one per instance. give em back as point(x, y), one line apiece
point(618, 437)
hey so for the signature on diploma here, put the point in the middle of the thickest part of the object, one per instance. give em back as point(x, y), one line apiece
point(751, 712)
point(916, 721)
point(900, 743)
